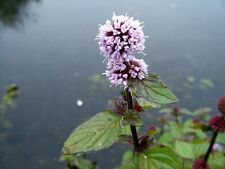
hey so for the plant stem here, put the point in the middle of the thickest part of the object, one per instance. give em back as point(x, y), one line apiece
point(132, 127)
point(210, 147)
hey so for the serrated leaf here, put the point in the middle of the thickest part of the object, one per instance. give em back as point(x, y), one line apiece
point(167, 139)
point(97, 133)
point(152, 92)
point(217, 160)
point(146, 104)
point(177, 129)
point(191, 150)
point(221, 138)
point(184, 149)
point(158, 157)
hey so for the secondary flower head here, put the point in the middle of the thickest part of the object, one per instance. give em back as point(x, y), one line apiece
point(217, 123)
point(221, 105)
point(200, 164)
point(120, 72)
point(121, 36)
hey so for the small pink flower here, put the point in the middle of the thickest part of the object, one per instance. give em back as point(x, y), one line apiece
point(217, 123)
point(200, 164)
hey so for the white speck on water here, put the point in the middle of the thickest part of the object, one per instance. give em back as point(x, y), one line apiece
point(79, 103)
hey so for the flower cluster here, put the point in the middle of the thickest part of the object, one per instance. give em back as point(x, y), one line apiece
point(119, 73)
point(217, 123)
point(118, 39)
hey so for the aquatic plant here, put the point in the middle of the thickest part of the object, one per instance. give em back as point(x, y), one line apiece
point(167, 147)
point(6, 102)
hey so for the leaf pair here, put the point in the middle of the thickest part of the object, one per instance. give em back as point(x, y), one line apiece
point(105, 128)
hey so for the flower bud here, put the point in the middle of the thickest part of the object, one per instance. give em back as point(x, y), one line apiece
point(151, 130)
point(221, 105)
point(217, 123)
point(200, 164)
point(175, 111)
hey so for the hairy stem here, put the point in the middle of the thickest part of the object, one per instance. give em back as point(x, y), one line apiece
point(132, 127)
point(210, 147)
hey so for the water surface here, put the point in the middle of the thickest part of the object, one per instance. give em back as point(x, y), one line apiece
point(47, 47)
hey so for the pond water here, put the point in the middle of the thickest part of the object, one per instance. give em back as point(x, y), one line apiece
point(47, 48)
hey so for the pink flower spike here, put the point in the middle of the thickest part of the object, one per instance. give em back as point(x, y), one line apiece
point(120, 37)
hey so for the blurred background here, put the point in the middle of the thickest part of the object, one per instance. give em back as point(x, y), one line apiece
point(47, 48)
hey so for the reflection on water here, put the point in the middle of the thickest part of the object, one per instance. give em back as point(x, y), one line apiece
point(7, 102)
point(13, 12)
point(56, 63)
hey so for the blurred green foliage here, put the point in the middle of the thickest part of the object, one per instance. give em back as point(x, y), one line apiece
point(13, 11)
point(78, 162)
point(7, 101)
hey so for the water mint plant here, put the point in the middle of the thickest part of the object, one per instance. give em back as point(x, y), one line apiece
point(119, 40)
point(177, 144)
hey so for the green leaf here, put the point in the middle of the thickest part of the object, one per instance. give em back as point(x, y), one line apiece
point(221, 138)
point(132, 118)
point(79, 162)
point(191, 150)
point(158, 157)
point(217, 160)
point(82, 163)
point(152, 92)
point(99, 132)
point(184, 149)
point(167, 139)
